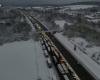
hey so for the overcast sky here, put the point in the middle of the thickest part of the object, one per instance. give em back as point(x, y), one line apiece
point(40, 1)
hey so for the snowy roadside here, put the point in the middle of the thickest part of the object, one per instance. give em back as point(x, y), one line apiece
point(82, 58)
point(83, 45)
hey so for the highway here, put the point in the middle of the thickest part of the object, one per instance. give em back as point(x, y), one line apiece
point(68, 72)
point(47, 73)
point(78, 68)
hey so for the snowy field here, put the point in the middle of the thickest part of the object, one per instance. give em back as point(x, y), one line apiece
point(75, 7)
point(24, 61)
point(60, 23)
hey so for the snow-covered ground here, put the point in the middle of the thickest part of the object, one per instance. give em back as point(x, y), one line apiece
point(24, 61)
point(60, 23)
point(81, 6)
point(92, 51)
point(80, 55)
point(76, 7)
point(72, 9)
point(79, 42)
point(87, 55)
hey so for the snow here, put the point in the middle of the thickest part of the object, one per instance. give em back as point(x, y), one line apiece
point(16, 60)
point(24, 61)
point(94, 53)
point(94, 20)
point(94, 49)
point(73, 7)
point(60, 23)
point(82, 58)
point(38, 8)
point(68, 23)
point(89, 16)
point(82, 43)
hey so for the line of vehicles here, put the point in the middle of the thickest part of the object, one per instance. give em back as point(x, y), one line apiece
point(48, 61)
point(46, 50)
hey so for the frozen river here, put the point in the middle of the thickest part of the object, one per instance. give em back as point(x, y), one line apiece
point(23, 60)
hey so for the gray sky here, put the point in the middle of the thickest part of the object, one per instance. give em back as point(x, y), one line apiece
point(40, 1)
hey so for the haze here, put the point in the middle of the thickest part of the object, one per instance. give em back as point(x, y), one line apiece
point(39, 2)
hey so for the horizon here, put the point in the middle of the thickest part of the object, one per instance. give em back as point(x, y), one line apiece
point(39, 2)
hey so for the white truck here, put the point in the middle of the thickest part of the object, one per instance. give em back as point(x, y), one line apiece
point(49, 63)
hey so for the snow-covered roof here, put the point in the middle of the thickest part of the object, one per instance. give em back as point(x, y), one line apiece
point(97, 12)
point(89, 16)
point(94, 20)
point(75, 7)
point(60, 23)
point(69, 23)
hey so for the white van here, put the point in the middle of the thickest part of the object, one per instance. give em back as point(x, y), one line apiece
point(46, 53)
point(49, 63)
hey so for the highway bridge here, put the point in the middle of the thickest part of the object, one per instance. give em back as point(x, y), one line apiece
point(65, 64)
